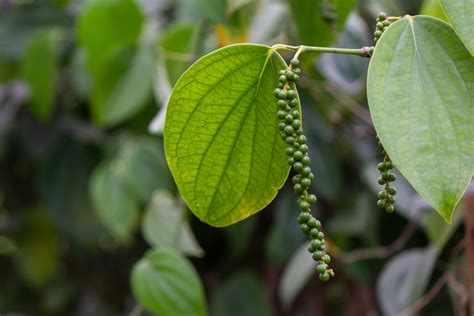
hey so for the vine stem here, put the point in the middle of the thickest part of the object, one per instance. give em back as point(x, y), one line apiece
point(362, 52)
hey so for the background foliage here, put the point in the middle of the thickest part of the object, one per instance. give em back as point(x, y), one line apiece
point(90, 215)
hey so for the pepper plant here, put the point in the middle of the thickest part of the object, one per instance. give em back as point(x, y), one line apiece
point(230, 146)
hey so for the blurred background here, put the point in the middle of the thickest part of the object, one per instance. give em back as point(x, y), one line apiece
point(85, 190)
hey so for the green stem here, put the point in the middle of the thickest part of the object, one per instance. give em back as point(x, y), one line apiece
point(302, 48)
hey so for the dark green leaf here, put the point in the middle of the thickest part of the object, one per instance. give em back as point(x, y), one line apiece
point(222, 141)
point(39, 68)
point(167, 284)
point(420, 92)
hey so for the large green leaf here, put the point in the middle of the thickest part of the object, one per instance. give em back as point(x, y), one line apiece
point(39, 69)
point(461, 15)
point(420, 92)
point(222, 141)
point(107, 25)
point(167, 284)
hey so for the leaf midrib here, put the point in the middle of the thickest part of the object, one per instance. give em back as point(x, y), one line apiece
point(269, 55)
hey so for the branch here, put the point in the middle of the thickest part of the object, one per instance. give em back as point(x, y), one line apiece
point(380, 252)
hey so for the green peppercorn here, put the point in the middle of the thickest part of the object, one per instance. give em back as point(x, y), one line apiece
point(276, 92)
point(301, 139)
point(289, 140)
point(382, 195)
point(390, 208)
point(381, 203)
point(392, 177)
point(298, 188)
point(306, 171)
point(392, 191)
point(291, 94)
point(294, 63)
point(282, 114)
point(296, 179)
point(376, 34)
point(386, 23)
point(326, 259)
point(291, 161)
point(282, 72)
point(296, 124)
point(320, 235)
point(293, 103)
point(282, 95)
point(290, 151)
point(312, 223)
point(283, 79)
point(324, 276)
point(281, 125)
point(379, 25)
point(306, 182)
point(303, 218)
point(282, 104)
point(318, 255)
point(382, 16)
point(299, 131)
point(289, 118)
point(313, 233)
point(381, 166)
point(304, 148)
point(290, 75)
point(388, 165)
point(322, 268)
point(316, 244)
point(304, 206)
point(381, 181)
point(297, 71)
point(304, 228)
point(298, 166)
point(305, 160)
point(311, 199)
point(289, 130)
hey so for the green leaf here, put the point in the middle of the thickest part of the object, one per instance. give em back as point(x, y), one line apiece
point(164, 225)
point(214, 10)
point(39, 67)
point(461, 15)
point(178, 39)
point(145, 168)
point(420, 92)
point(122, 86)
point(310, 24)
point(105, 26)
point(116, 207)
point(433, 8)
point(167, 284)
point(404, 279)
point(242, 294)
point(222, 141)
point(297, 273)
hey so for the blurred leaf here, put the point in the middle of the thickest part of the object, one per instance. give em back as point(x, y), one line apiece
point(421, 105)
point(357, 219)
point(37, 248)
point(177, 42)
point(296, 275)
point(324, 158)
point(285, 230)
point(214, 10)
point(460, 13)
point(404, 278)
point(39, 67)
point(269, 22)
point(438, 231)
point(310, 24)
point(145, 168)
point(345, 71)
point(167, 284)
point(433, 8)
point(105, 26)
point(116, 206)
point(80, 78)
point(214, 158)
point(164, 225)
point(63, 186)
point(240, 236)
point(241, 294)
point(122, 86)
point(17, 26)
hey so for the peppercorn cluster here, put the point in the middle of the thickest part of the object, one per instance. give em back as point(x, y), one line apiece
point(298, 159)
point(381, 26)
point(387, 195)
